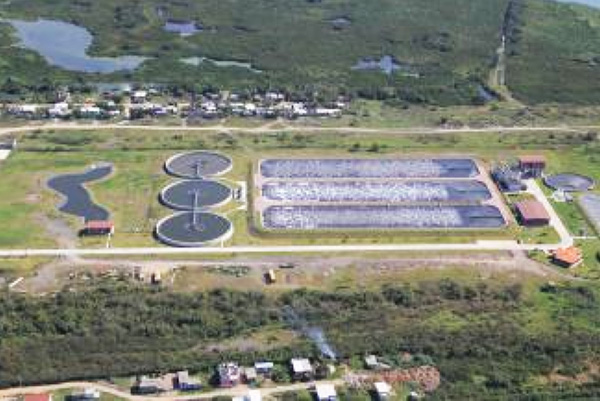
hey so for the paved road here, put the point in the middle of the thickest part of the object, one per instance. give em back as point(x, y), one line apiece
point(230, 392)
point(476, 246)
point(270, 129)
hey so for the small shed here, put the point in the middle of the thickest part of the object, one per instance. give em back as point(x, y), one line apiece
point(302, 368)
point(325, 392)
point(383, 390)
point(263, 368)
point(532, 213)
point(568, 257)
point(98, 227)
point(532, 166)
point(38, 397)
point(250, 375)
point(185, 383)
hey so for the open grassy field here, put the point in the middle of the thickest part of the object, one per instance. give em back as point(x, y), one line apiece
point(553, 56)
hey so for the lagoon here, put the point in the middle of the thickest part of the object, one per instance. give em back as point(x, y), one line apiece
point(65, 45)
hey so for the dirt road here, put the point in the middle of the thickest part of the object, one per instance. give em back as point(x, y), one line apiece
point(106, 388)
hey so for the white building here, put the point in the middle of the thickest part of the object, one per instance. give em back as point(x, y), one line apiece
point(383, 390)
point(325, 392)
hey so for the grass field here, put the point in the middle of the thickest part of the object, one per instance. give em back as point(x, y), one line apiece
point(555, 56)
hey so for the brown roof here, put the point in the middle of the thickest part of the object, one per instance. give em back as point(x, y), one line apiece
point(571, 255)
point(532, 159)
point(99, 225)
point(532, 210)
point(37, 397)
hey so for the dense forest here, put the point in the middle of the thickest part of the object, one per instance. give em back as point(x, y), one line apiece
point(494, 341)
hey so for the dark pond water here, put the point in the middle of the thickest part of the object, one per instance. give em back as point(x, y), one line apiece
point(187, 195)
point(187, 229)
point(387, 64)
point(198, 164)
point(77, 199)
point(65, 45)
point(485, 94)
point(183, 28)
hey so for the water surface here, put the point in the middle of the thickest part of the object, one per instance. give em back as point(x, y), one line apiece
point(65, 45)
point(77, 199)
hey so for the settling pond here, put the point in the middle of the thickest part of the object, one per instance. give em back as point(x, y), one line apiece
point(195, 194)
point(65, 45)
point(77, 200)
point(370, 191)
point(381, 217)
point(193, 229)
point(198, 164)
point(368, 168)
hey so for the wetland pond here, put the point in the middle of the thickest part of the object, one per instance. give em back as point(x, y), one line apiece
point(65, 45)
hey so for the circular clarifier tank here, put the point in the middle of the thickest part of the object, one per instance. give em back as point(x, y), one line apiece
point(189, 229)
point(570, 182)
point(198, 164)
point(195, 194)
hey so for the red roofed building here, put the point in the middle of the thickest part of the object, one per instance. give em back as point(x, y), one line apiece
point(532, 213)
point(98, 227)
point(568, 257)
point(38, 397)
point(532, 166)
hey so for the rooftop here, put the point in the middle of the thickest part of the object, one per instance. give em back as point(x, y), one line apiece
point(37, 397)
point(532, 159)
point(325, 391)
point(571, 255)
point(382, 388)
point(301, 365)
point(532, 210)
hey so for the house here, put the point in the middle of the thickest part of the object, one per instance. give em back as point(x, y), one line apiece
point(59, 110)
point(89, 394)
point(371, 362)
point(147, 385)
point(302, 369)
point(531, 213)
point(250, 375)
point(325, 392)
point(139, 96)
point(263, 368)
point(38, 397)
point(25, 110)
point(568, 257)
point(98, 227)
point(184, 383)
point(229, 374)
point(532, 166)
point(90, 111)
point(383, 390)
